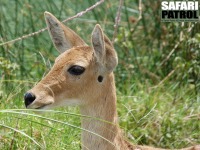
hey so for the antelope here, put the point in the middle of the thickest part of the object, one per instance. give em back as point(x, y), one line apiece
point(83, 76)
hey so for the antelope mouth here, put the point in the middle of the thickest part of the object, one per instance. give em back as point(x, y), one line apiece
point(44, 106)
point(39, 107)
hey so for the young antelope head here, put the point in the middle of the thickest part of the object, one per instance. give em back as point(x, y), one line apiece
point(80, 72)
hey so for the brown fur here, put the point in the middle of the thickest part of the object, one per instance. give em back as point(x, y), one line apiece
point(96, 99)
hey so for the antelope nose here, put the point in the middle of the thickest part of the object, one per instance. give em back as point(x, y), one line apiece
point(29, 98)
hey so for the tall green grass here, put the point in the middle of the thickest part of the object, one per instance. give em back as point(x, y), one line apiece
point(158, 103)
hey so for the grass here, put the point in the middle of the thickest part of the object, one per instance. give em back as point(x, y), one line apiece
point(164, 116)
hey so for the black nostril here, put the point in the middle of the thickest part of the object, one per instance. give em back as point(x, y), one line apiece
point(28, 98)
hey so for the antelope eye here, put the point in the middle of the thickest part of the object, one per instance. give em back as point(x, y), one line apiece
point(76, 70)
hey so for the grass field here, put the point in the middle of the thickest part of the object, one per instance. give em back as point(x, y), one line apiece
point(157, 79)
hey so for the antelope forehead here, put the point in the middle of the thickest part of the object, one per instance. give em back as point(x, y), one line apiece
point(81, 59)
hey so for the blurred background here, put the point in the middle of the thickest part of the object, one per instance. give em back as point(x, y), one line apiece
point(157, 78)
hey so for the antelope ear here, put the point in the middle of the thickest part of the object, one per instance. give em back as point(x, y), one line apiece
point(63, 37)
point(98, 43)
point(104, 50)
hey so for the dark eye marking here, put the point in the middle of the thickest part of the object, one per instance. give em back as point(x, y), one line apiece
point(100, 78)
point(76, 70)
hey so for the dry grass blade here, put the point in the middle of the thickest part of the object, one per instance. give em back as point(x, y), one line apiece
point(182, 38)
point(44, 29)
point(21, 132)
point(50, 119)
point(117, 19)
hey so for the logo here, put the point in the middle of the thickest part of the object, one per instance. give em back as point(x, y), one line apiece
point(181, 11)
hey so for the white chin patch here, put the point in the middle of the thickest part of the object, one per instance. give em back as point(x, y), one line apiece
point(70, 102)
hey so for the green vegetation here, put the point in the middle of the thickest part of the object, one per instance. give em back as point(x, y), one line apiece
point(157, 79)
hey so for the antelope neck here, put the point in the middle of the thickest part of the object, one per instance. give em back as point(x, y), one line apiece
point(104, 108)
